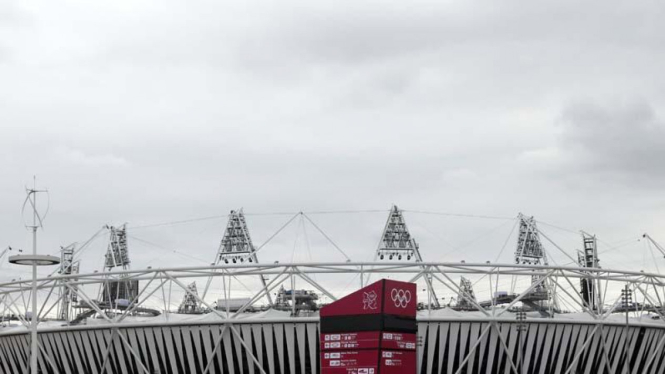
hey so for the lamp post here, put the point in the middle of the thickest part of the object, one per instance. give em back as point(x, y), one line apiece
point(627, 304)
point(521, 328)
point(34, 260)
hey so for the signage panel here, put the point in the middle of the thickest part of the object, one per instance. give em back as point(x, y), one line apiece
point(368, 322)
point(382, 297)
point(366, 300)
point(367, 340)
point(396, 340)
point(371, 331)
point(398, 362)
point(350, 359)
point(350, 340)
point(399, 298)
point(362, 370)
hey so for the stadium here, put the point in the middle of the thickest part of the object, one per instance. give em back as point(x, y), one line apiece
point(242, 315)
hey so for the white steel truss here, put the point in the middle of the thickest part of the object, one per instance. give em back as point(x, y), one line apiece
point(67, 267)
point(117, 254)
point(236, 247)
point(602, 342)
point(530, 251)
point(397, 244)
point(189, 304)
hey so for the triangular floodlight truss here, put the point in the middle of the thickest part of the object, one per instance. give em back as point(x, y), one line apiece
point(118, 290)
point(67, 267)
point(396, 240)
point(75, 270)
point(117, 254)
point(236, 245)
point(466, 296)
point(398, 244)
point(190, 304)
point(529, 247)
point(588, 258)
point(530, 250)
point(66, 259)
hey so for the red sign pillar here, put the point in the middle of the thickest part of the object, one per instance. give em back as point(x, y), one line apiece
point(371, 331)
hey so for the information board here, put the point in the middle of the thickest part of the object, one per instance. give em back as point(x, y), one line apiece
point(352, 359)
point(368, 340)
point(381, 297)
point(398, 362)
point(371, 331)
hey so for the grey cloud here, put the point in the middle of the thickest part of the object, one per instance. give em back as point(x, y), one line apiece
point(9, 12)
point(151, 112)
point(296, 37)
point(624, 139)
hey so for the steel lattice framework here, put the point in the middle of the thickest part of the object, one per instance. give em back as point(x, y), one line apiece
point(530, 251)
point(189, 304)
point(484, 339)
point(563, 319)
point(236, 244)
point(398, 244)
point(236, 247)
point(119, 290)
point(117, 254)
point(466, 288)
point(67, 267)
point(529, 247)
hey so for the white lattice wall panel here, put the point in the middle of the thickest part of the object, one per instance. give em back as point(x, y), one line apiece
point(292, 348)
point(540, 348)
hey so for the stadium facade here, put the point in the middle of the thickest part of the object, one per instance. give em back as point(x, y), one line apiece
point(566, 319)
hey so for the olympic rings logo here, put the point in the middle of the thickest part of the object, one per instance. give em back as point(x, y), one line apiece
point(400, 297)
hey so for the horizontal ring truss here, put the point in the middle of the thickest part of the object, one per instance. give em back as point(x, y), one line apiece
point(348, 268)
point(563, 281)
point(325, 278)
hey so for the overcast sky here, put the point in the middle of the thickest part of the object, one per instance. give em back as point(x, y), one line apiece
point(159, 111)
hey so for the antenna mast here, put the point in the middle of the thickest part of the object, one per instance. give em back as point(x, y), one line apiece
point(34, 260)
point(36, 223)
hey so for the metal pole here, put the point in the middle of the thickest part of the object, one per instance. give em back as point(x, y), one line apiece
point(33, 333)
point(362, 275)
point(429, 292)
point(627, 301)
point(521, 327)
point(293, 294)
